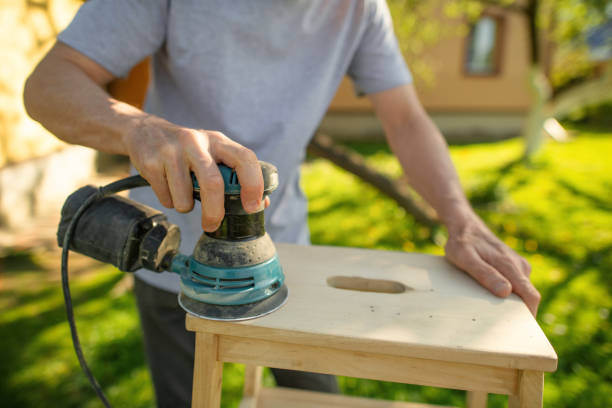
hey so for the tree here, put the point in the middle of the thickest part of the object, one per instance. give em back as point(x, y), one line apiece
point(562, 78)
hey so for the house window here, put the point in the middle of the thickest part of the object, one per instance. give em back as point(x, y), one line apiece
point(483, 43)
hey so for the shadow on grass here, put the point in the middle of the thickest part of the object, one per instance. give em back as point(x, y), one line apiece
point(16, 262)
point(41, 313)
point(597, 202)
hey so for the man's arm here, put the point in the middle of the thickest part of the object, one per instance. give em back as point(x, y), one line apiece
point(66, 94)
point(423, 154)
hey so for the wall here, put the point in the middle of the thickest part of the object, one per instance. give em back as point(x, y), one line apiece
point(27, 31)
point(37, 171)
point(464, 107)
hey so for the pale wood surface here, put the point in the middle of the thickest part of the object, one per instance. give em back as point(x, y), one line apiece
point(252, 386)
point(443, 314)
point(476, 399)
point(252, 380)
point(285, 397)
point(369, 365)
point(249, 402)
point(531, 390)
point(207, 372)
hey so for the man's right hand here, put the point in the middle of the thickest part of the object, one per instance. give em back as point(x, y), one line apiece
point(66, 93)
point(165, 154)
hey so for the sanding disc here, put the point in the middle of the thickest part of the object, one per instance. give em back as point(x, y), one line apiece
point(234, 312)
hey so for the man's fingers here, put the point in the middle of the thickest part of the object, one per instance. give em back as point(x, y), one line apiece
point(153, 172)
point(247, 167)
point(180, 185)
point(517, 271)
point(211, 193)
point(160, 188)
point(469, 260)
point(525, 266)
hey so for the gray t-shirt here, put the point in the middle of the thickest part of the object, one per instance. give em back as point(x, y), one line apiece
point(262, 72)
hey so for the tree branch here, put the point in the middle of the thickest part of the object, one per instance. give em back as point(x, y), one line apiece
point(323, 146)
point(589, 92)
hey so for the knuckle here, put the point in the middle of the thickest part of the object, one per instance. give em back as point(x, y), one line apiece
point(185, 134)
point(526, 266)
point(507, 264)
point(480, 273)
point(168, 150)
point(506, 260)
point(214, 135)
point(212, 181)
point(247, 155)
point(150, 166)
point(201, 163)
point(251, 189)
point(524, 283)
point(489, 279)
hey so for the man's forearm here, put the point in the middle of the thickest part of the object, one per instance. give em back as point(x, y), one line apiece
point(423, 154)
point(66, 94)
point(75, 108)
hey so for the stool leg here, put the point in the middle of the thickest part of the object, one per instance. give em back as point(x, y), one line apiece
point(252, 385)
point(252, 380)
point(531, 388)
point(207, 372)
point(476, 399)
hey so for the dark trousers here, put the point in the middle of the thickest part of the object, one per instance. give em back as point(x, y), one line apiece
point(169, 348)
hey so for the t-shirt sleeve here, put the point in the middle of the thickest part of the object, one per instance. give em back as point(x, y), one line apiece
point(378, 63)
point(117, 34)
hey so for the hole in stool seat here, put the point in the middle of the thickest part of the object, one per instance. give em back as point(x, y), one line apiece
point(366, 285)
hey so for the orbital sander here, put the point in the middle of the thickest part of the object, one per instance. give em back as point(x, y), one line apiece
point(233, 273)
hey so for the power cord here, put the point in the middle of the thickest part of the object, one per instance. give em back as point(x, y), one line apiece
point(102, 192)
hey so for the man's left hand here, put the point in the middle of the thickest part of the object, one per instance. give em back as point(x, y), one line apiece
point(474, 248)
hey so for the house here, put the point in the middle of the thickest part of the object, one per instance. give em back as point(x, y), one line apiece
point(480, 88)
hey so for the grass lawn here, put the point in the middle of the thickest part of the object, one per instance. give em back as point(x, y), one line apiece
point(557, 212)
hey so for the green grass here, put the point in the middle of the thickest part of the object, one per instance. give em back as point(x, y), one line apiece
point(557, 212)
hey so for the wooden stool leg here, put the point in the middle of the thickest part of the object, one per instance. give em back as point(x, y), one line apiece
point(531, 388)
point(252, 385)
point(207, 372)
point(476, 399)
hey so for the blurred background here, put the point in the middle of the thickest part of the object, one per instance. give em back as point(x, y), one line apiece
point(522, 90)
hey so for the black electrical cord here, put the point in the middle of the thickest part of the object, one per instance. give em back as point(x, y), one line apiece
point(104, 191)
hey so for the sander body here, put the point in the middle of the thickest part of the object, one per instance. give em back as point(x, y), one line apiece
point(233, 273)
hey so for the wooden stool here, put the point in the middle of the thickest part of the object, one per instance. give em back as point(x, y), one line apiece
point(392, 316)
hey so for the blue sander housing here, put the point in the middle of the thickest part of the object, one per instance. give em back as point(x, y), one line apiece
point(233, 273)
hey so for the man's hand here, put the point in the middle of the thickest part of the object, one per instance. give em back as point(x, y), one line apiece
point(164, 154)
point(423, 153)
point(475, 249)
point(66, 93)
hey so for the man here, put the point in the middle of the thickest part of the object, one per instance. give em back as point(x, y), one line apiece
point(234, 82)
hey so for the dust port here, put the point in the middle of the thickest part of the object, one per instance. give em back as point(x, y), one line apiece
point(367, 285)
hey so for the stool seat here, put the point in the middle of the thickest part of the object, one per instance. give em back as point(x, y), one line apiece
point(385, 315)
